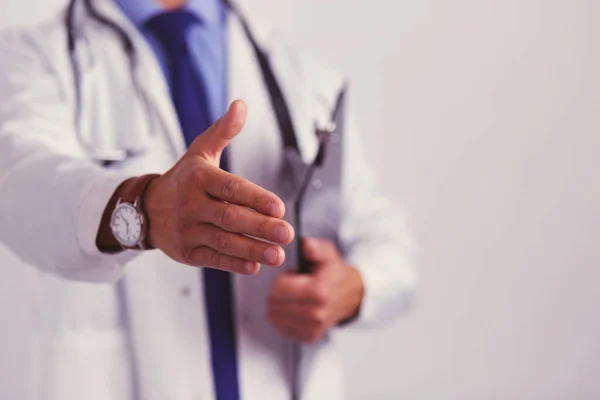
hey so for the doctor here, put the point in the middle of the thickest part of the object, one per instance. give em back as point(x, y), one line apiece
point(112, 172)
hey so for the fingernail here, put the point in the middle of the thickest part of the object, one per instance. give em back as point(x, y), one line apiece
point(271, 255)
point(282, 234)
point(249, 267)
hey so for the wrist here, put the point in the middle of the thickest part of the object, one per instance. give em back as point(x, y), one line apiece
point(105, 240)
point(128, 194)
point(152, 200)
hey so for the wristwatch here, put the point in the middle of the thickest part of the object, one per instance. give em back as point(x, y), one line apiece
point(129, 222)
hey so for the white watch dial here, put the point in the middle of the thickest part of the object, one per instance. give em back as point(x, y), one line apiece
point(126, 224)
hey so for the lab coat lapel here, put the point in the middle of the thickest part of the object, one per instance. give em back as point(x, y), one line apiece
point(259, 142)
point(149, 75)
point(254, 154)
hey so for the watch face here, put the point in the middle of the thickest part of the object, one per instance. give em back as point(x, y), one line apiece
point(126, 224)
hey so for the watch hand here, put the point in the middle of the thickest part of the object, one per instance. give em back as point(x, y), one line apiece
point(127, 224)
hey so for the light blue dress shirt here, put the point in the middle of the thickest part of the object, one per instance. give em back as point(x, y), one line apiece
point(207, 40)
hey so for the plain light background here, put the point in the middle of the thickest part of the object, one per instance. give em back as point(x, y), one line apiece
point(483, 120)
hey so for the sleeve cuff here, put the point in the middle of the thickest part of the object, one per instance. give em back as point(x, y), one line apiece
point(93, 201)
point(384, 297)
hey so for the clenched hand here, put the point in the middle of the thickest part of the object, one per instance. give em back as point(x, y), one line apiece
point(304, 307)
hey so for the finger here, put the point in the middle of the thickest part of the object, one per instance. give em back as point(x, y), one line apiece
point(306, 314)
point(207, 257)
point(236, 245)
point(299, 332)
point(291, 332)
point(233, 189)
point(289, 327)
point(298, 288)
point(318, 250)
point(237, 219)
point(213, 141)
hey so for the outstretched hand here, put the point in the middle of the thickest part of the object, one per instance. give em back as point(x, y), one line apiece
point(201, 215)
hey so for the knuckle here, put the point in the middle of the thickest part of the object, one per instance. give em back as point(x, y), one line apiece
point(214, 259)
point(319, 293)
point(264, 228)
point(226, 216)
point(258, 203)
point(319, 317)
point(222, 241)
point(186, 255)
point(231, 189)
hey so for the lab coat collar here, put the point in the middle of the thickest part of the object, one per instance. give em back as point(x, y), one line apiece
point(245, 81)
point(140, 11)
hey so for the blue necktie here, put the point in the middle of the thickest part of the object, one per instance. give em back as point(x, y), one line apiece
point(191, 103)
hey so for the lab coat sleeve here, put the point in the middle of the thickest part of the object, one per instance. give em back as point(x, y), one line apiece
point(374, 237)
point(51, 195)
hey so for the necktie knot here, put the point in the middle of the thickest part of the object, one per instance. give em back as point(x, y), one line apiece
point(171, 27)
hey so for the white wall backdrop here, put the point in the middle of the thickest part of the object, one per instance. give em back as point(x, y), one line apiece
point(484, 119)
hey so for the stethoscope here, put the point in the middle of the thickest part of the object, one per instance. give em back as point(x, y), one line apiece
point(108, 156)
point(300, 174)
point(76, 45)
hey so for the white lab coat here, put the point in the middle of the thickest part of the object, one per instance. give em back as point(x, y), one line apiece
point(145, 337)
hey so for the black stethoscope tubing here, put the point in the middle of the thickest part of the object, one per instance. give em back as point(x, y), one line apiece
point(277, 99)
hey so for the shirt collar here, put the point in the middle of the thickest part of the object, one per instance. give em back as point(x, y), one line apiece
point(140, 11)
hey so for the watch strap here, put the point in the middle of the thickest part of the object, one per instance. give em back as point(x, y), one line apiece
point(131, 191)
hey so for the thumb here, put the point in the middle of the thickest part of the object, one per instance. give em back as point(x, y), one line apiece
point(213, 141)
